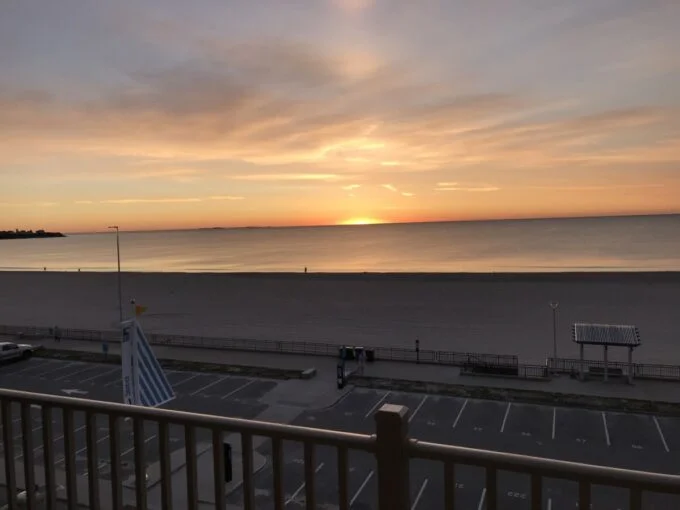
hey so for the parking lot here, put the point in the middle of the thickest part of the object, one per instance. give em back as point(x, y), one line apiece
point(622, 440)
point(642, 442)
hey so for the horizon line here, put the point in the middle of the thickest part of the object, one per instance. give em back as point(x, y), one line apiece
point(383, 223)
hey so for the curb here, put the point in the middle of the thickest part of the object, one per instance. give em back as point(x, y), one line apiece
point(616, 404)
point(174, 364)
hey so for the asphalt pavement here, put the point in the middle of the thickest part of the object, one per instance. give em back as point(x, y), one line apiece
point(643, 442)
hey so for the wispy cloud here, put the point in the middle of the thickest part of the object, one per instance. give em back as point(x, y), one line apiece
point(226, 197)
point(287, 177)
point(151, 201)
point(389, 187)
point(351, 187)
point(29, 204)
point(454, 186)
point(83, 202)
point(406, 194)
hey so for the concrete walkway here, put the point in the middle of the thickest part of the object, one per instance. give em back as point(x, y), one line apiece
point(322, 390)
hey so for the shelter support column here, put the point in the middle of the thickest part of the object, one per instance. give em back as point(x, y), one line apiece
point(606, 363)
point(630, 365)
point(580, 370)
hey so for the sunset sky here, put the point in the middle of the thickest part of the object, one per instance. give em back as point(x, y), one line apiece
point(174, 114)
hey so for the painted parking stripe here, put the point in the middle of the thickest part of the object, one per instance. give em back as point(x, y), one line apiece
point(663, 439)
point(417, 409)
point(460, 413)
point(71, 374)
point(299, 489)
point(90, 379)
point(361, 487)
point(237, 389)
point(209, 385)
point(419, 495)
point(554, 416)
point(60, 367)
point(377, 404)
point(505, 418)
point(481, 499)
point(549, 504)
point(194, 376)
point(606, 430)
point(33, 366)
point(150, 438)
point(40, 446)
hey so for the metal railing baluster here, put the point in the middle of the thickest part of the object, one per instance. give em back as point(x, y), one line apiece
point(192, 473)
point(247, 461)
point(166, 471)
point(92, 460)
point(277, 465)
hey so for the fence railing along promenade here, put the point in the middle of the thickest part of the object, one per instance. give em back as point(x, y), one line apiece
point(640, 370)
point(273, 346)
point(391, 446)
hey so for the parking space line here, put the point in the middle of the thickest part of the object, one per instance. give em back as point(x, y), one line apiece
point(219, 380)
point(382, 399)
point(361, 487)
point(89, 379)
point(61, 367)
point(299, 489)
point(84, 448)
point(132, 447)
point(419, 495)
point(34, 429)
point(663, 439)
point(460, 413)
point(237, 389)
point(549, 504)
point(606, 430)
point(185, 380)
point(31, 367)
point(71, 374)
point(554, 416)
point(481, 499)
point(505, 418)
point(40, 446)
point(417, 409)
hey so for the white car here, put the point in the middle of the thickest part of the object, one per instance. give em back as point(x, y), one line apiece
point(11, 351)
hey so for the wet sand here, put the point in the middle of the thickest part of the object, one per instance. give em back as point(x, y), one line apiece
point(497, 313)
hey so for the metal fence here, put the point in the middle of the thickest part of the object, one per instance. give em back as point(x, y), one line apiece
point(274, 346)
point(391, 448)
point(640, 370)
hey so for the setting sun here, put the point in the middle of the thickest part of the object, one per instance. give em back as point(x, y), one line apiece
point(361, 221)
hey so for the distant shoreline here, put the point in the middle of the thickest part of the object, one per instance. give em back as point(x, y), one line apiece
point(28, 234)
point(543, 276)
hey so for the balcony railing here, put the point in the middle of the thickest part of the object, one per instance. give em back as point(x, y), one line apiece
point(391, 447)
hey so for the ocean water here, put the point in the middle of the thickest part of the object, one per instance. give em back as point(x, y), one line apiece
point(638, 243)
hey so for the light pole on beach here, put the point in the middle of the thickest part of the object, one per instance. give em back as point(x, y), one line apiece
point(554, 305)
point(120, 290)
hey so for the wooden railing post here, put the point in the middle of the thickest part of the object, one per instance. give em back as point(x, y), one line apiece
point(393, 458)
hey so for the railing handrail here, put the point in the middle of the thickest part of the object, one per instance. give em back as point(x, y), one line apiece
point(547, 468)
point(254, 427)
point(276, 346)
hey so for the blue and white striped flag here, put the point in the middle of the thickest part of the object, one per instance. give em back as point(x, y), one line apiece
point(144, 382)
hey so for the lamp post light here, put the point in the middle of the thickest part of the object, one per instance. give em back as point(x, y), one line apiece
point(120, 290)
point(554, 305)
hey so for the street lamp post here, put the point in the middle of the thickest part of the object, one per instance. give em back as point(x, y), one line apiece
point(554, 305)
point(120, 289)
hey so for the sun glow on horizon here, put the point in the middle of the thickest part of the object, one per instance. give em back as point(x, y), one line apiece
point(361, 221)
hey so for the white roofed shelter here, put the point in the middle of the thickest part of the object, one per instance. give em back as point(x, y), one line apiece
point(606, 335)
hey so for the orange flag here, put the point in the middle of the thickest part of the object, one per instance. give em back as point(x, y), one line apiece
point(139, 310)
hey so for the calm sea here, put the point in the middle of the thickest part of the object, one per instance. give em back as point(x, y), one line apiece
point(591, 244)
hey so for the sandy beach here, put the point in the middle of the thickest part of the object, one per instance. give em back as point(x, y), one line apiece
point(507, 314)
